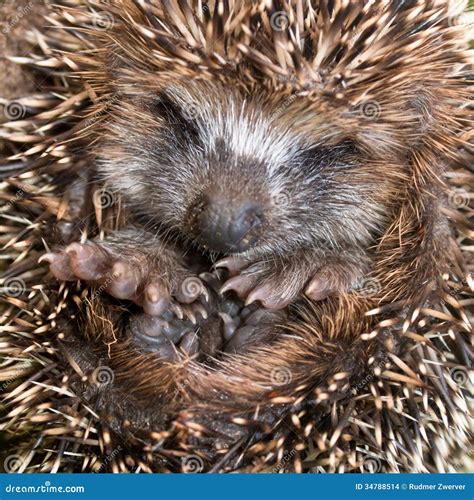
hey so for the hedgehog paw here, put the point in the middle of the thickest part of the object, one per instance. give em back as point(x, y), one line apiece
point(278, 285)
point(154, 284)
point(250, 326)
point(164, 335)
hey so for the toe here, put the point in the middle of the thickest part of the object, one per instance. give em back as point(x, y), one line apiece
point(151, 326)
point(318, 288)
point(240, 338)
point(269, 297)
point(87, 261)
point(155, 299)
point(189, 343)
point(123, 281)
point(59, 266)
point(233, 264)
point(230, 325)
point(240, 284)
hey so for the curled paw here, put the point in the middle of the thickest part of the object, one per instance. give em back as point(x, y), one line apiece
point(247, 326)
point(154, 283)
point(274, 284)
point(165, 335)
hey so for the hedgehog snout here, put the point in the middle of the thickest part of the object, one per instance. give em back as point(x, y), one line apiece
point(226, 225)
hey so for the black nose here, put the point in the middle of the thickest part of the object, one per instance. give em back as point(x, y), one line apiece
point(226, 226)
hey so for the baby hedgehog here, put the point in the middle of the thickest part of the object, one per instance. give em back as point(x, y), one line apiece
point(285, 166)
point(275, 277)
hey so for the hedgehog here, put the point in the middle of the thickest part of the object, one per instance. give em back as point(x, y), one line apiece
point(238, 238)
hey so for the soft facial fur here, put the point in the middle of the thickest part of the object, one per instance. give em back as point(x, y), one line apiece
point(199, 138)
point(322, 196)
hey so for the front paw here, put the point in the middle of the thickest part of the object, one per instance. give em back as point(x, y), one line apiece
point(155, 283)
point(277, 283)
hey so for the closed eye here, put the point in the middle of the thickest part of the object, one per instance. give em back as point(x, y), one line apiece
point(318, 157)
point(178, 119)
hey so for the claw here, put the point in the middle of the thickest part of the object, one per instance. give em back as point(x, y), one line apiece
point(232, 264)
point(59, 266)
point(259, 316)
point(150, 325)
point(240, 284)
point(155, 301)
point(230, 326)
point(174, 332)
point(211, 279)
point(200, 309)
point(267, 296)
point(190, 315)
point(205, 293)
point(178, 310)
point(241, 337)
point(86, 261)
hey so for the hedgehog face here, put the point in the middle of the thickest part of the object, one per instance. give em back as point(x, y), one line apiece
point(237, 172)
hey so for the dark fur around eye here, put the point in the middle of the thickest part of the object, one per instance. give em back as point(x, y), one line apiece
point(181, 122)
point(317, 157)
